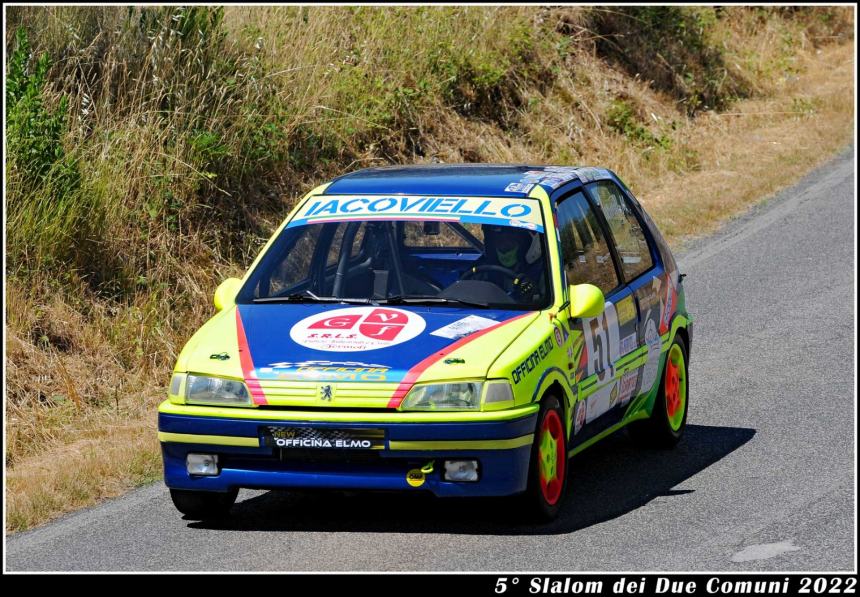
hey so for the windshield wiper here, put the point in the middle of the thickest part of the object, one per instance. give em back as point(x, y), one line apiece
point(309, 297)
point(419, 299)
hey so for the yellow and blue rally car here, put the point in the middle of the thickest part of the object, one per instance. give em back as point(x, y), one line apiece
point(458, 329)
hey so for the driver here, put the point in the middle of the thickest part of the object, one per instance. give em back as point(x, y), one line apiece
point(519, 251)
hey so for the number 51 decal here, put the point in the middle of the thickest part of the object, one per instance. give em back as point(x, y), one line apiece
point(602, 340)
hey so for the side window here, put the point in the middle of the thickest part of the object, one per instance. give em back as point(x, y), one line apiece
point(630, 241)
point(584, 251)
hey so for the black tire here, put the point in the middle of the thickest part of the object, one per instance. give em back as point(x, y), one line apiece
point(203, 505)
point(537, 502)
point(657, 430)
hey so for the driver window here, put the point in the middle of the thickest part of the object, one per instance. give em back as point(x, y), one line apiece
point(585, 253)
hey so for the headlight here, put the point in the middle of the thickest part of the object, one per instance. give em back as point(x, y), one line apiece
point(201, 389)
point(444, 396)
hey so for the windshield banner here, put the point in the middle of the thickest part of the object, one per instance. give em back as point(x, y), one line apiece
point(519, 212)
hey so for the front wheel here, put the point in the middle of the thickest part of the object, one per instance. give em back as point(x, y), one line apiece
point(548, 465)
point(665, 426)
point(202, 505)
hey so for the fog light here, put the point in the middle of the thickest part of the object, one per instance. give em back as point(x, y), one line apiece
point(461, 470)
point(202, 464)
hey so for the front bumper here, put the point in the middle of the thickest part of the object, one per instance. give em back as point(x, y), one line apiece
point(502, 447)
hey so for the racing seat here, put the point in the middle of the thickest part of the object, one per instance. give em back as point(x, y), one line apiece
point(381, 250)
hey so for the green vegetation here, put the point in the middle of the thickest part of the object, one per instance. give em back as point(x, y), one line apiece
point(151, 151)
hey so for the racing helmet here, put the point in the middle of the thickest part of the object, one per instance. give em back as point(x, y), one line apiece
point(508, 244)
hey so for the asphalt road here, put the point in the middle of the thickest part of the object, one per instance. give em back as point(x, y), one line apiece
point(763, 480)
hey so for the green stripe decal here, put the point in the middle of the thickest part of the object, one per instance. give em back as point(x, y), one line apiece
point(493, 444)
point(281, 415)
point(216, 440)
point(631, 357)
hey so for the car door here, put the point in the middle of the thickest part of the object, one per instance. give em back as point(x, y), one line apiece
point(600, 343)
point(637, 257)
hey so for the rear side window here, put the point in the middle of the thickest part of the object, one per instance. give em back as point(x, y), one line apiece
point(584, 250)
point(630, 241)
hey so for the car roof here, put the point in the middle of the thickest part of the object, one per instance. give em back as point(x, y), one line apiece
point(494, 180)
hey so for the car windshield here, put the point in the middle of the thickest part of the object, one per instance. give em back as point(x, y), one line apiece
point(485, 253)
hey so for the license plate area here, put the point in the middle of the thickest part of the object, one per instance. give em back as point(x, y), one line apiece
point(288, 438)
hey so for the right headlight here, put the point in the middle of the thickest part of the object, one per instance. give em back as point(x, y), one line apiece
point(465, 395)
point(216, 391)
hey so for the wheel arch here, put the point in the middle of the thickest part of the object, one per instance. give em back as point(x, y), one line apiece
point(565, 397)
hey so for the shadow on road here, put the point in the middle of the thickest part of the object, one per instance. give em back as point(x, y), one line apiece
point(607, 481)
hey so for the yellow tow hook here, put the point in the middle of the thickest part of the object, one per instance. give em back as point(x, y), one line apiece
point(417, 476)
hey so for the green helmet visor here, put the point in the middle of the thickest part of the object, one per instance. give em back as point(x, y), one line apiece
point(507, 258)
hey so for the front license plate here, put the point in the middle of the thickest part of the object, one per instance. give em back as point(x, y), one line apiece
point(305, 438)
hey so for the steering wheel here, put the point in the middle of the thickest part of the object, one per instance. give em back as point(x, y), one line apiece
point(470, 273)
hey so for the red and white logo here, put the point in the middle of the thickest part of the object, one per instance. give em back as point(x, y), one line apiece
point(357, 328)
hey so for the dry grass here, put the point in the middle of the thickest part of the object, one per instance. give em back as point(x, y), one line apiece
point(94, 323)
point(749, 155)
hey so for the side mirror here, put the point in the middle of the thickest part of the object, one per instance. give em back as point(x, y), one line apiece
point(225, 294)
point(586, 300)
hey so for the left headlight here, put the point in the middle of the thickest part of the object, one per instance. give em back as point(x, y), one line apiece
point(202, 389)
point(444, 396)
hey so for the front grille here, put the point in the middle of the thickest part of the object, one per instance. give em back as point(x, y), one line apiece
point(312, 394)
point(351, 409)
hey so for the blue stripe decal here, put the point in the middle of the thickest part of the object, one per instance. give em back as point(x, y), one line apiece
point(394, 431)
point(547, 372)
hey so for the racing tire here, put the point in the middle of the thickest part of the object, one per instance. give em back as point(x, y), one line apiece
point(548, 466)
point(203, 505)
point(665, 427)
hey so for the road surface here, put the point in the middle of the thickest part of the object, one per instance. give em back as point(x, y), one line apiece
point(763, 480)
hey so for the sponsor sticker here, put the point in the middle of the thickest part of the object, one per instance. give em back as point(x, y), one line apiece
point(464, 327)
point(323, 439)
point(522, 370)
point(649, 371)
point(628, 344)
point(626, 309)
point(613, 395)
point(559, 339)
point(334, 208)
point(598, 403)
point(578, 416)
point(357, 329)
point(333, 370)
point(519, 187)
point(627, 386)
point(522, 224)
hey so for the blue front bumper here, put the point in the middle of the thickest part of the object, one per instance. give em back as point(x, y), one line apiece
point(502, 449)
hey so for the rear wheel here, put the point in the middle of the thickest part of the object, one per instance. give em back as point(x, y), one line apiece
point(548, 466)
point(665, 426)
point(201, 505)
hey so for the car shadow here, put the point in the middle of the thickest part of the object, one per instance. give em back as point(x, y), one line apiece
point(607, 481)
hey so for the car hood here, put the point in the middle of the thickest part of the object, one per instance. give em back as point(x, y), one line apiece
point(272, 343)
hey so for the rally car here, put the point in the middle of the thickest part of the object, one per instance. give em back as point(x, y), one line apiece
point(456, 329)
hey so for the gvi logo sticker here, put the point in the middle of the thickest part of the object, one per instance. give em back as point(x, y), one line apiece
point(357, 328)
